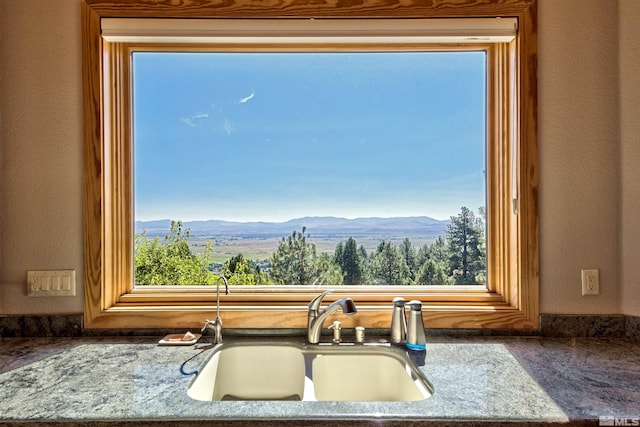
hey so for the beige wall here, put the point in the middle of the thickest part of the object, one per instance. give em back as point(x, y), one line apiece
point(41, 149)
point(579, 153)
point(630, 158)
point(587, 203)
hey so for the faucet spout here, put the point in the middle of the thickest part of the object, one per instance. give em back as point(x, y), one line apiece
point(317, 317)
point(216, 325)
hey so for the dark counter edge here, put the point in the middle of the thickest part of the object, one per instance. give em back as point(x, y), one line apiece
point(291, 422)
point(551, 325)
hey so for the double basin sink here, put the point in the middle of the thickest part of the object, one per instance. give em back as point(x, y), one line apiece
point(304, 372)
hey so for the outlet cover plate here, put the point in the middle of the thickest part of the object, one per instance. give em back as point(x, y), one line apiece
point(51, 283)
point(590, 282)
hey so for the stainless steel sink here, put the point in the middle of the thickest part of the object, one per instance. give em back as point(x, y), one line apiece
point(290, 371)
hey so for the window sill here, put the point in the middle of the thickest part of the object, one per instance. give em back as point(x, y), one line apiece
point(452, 316)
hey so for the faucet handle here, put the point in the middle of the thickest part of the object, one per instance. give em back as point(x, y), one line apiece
point(314, 305)
point(207, 323)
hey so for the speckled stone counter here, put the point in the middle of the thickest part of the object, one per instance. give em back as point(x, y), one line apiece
point(477, 381)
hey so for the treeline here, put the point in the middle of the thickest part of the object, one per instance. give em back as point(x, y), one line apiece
point(458, 257)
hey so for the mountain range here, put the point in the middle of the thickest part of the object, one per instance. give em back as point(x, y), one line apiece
point(315, 225)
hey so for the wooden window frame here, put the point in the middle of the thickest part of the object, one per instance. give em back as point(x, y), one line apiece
point(510, 300)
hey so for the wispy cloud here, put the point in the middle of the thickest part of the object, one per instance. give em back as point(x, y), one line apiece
point(187, 121)
point(193, 120)
point(228, 126)
point(246, 98)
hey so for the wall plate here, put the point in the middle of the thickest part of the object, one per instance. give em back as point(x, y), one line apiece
point(51, 283)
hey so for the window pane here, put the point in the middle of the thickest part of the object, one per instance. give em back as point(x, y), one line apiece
point(310, 168)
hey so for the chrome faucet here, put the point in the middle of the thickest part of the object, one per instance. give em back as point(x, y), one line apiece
point(216, 326)
point(316, 316)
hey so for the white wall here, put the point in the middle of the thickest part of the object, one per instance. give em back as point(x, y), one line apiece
point(583, 126)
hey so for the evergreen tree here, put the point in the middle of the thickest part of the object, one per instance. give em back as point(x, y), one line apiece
point(409, 254)
point(432, 273)
point(434, 264)
point(363, 258)
point(388, 266)
point(338, 255)
point(350, 263)
point(328, 272)
point(427, 273)
point(423, 254)
point(295, 263)
point(362, 252)
point(439, 251)
point(466, 248)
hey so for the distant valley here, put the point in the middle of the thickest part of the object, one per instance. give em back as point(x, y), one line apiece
point(258, 240)
point(316, 226)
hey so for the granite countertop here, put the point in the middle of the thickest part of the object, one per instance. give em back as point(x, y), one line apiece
point(477, 381)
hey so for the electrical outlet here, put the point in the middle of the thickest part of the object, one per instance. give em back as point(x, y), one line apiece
point(591, 282)
point(51, 283)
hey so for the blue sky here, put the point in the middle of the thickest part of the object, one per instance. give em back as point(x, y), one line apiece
point(276, 136)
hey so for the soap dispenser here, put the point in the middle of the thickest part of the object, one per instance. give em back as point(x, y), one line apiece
point(415, 329)
point(398, 322)
point(337, 331)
